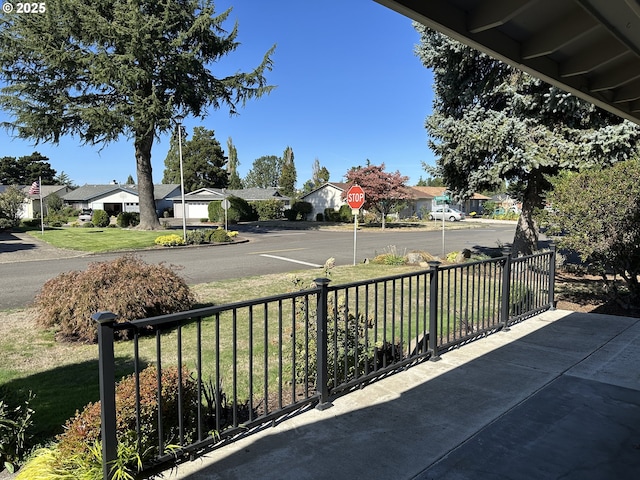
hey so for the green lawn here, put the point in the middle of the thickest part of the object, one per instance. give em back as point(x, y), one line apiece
point(99, 239)
point(64, 376)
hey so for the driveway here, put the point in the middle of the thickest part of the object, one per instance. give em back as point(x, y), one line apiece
point(22, 247)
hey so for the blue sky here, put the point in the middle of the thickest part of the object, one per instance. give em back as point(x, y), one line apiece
point(349, 88)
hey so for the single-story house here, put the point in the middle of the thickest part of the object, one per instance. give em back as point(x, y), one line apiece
point(505, 202)
point(328, 195)
point(116, 198)
point(425, 200)
point(197, 202)
point(31, 207)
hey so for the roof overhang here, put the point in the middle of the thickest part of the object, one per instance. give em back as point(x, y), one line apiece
point(590, 48)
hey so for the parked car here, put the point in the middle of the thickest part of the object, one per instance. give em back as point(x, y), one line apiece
point(449, 213)
point(85, 215)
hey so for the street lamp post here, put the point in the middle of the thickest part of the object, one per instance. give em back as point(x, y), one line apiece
point(179, 120)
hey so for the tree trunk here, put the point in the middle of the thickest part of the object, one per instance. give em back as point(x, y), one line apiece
point(525, 241)
point(148, 215)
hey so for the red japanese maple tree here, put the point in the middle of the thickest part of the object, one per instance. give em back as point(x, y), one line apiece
point(384, 192)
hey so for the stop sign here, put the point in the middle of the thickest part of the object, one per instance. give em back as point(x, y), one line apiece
point(355, 197)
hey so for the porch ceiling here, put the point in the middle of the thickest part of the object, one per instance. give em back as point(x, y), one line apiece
point(590, 48)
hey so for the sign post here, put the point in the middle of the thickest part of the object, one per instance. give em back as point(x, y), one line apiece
point(443, 200)
point(225, 205)
point(355, 199)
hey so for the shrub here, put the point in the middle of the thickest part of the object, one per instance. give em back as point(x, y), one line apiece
point(330, 215)
point(128, 219)
point(32, 222)
point(220, 235)
point(349, 352)
point(78, 451)
point(100, 218)
point(15, 422)
point(126, 286)
point(215, 211)
point(83, 429)
point(238, 211)
point(452, 256)
point(302, 208)
point(596, 214)
point(290, 214)
point(196, 237)
point(345, 214)
point(319, 217)
point(58, 217)
point(171, 240)
point(11, 204)
point(5, 224)
point(54, 203)
point(390, 257)
point(268, 209)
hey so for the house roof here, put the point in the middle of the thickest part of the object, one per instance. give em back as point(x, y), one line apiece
point(4, 187)
point(46, 190)
point(89, 192)
point(431, 192)
point(426, 192)
point(248, 194)
point(590, 48)
point(337, 185)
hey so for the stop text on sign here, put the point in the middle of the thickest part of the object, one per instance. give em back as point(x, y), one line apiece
point(357, 197)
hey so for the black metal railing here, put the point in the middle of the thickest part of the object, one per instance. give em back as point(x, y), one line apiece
point(238, 366)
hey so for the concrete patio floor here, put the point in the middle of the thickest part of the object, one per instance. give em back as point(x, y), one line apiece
point(556, 396)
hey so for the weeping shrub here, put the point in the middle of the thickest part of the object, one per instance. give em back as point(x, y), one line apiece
point(126, 286)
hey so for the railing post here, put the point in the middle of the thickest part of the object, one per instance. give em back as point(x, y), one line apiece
point(106, 366)
point(552, 277)
point(433, 310)
point(506, 291)
point(322, 368)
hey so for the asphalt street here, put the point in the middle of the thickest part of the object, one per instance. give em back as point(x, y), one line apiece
point(26, 264)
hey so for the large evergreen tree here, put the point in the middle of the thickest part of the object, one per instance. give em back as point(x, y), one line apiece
point(63, 179)
point(288, 175)
point(492, 123)
point(319, 174)
point(203, 161)
point(26, 169)
point(235, 182)
point(102, 70)
point(265, 172)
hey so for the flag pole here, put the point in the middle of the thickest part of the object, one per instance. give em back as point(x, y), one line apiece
point(41, 206)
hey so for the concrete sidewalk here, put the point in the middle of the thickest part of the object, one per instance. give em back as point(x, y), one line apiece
point(556, 396)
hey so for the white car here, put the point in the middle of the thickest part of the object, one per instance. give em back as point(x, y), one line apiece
point(450, 214)
point(85, 215)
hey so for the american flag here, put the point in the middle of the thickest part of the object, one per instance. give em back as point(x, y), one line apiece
point(35, 188)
